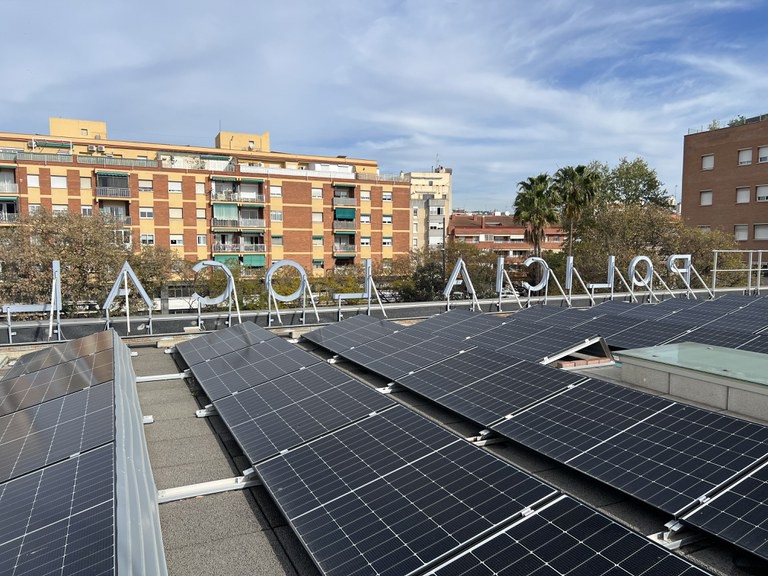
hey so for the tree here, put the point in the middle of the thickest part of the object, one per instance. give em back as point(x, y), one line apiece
point(576, 188)
point(536, 208)
point(90, 252)
point(634, 182)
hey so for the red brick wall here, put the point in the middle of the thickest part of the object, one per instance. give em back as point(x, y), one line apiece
point(162, 232)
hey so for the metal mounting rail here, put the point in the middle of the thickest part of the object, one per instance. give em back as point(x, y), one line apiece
point(206, 488)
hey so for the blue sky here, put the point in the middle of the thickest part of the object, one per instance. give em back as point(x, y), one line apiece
point(498, 90)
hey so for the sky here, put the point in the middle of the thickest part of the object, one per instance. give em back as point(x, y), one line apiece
point(497, 90)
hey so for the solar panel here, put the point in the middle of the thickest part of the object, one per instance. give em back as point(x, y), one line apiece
point(608, 325)
point(485, 386)
point(351, 332)
point(536, 313)
point(545, 344)
point(61, 519)
point(566, 538)
point(616, 307)
point(715, 337)
point(739, 514)
point(55, 430)
point(296, 408)
point(58, 354)
point(758, 344)
point(393, 493)
point(663, 453)
point(570, 317)
point(660, 310)
point(511, 331)
point(221, 342)
point(445, 320)
point(747, 319)
point(468, 326)
point(30, 388)
point(396, 355)
point(251, 366)
point(644, 334)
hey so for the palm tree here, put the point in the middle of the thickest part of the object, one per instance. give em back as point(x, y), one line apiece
point(536, 208)
point(576, 187)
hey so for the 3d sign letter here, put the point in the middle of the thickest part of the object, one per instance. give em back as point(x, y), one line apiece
point(302, 283)
point(646, 280)
point(208, 301)
point(611, 274)
point(685, 271)
point(544, 274)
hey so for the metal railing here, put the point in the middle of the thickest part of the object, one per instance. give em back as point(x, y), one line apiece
point(224, 247)
point(110, 192)
point(344, 225)
point(344, 201)
point(344, 248)
point(6, 218)
point(382, 177)
point(106, 161)
point(230, 196)
point(239, 247)
point(117, 218)
point(41, 157)
point(755, 267)
point(9, 187)
point(8, 155)
point(247, 247)
point(224, 222)
point(252, 223)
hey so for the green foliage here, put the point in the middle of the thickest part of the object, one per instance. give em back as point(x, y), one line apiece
point(88, 249)
point(630, 182)
point(575, 187)
point(536, 207)
point(737, 121)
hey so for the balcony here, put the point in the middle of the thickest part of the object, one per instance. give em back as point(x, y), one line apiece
point(8, 218)
point(11, 187)
point(107, 161)
point(344, 225)
point(232, 196)
point(252, 223)
point(224, 223)
point(123, 219)
point(343, 201)
point(110, 192)
point(344, 249)
point(244, 247)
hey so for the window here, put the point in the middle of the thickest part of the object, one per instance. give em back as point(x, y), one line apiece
point(146, 212)
point(147, 239)
point(708, 162)
point(386, 219)
point(276, 215)
point(177, 239)
point(415, 227)
point(761, 232)
point(202, 239)
point(86, 210)
point(365, 241)
point(365, 195)
point(33, 181)
point(175, 213)
point(145, 185)
point(83, 131)
point(318, 265)
point(386, 241)
point(174, 186)
point(277, 240)
point(705, 228)
point(59, 209)
point(317, 192)
point(742, 195)
point(275, 190)
point(740, 232)
point(415, 212)
point(762, 154)
point(317, 240)
point(85, 182)
point(34, 208)
point(317, 216)
point(761, 193)
point(705, 198)
point(200, 188)
point(200, 213)
point(365, 218)
point(415, 242)
point(745, 157)
point(59, 182)
point(386, 196)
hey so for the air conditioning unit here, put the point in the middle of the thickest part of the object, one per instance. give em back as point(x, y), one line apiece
point(31, 144)
point(100, 148)
point(91, 148)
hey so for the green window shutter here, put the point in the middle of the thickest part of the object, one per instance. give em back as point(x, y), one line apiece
point(345, 213)
point(254, 260)
point(225, 211)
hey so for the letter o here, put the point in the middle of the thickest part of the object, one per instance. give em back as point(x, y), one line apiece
point(302, 284)
point(645, 280)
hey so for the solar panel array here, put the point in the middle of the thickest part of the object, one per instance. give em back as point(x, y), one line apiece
point(61, 448)
point(371, 487)
point(350, 332)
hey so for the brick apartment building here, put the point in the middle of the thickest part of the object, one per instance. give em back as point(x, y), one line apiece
point(236, 201)
point(725, 181)
point(500, 233)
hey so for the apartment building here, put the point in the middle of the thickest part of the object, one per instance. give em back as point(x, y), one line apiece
point(725, 181)
point(500, 233)
point(431, 194)
point(238, 201)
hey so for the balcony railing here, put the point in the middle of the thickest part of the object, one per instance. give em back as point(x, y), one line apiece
point(252, 223)
point(224, 223)
point(230, 196)
point(38, 157)
point(239, 247)
point(118, 218)
point(8, 155)
point(110, 192)
point(250, 197)
point(8, 218)
point(106, 161)
point(344, 248)
point(9, 187)
point(343, 201)
point(344, 225)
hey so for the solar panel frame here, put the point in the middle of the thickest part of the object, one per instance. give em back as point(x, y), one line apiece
point(61, 519)
point(758, 344)
point(221, 342)
point(546, 344)
point(715, 337)
point(351, 332)
point(645, 334)
point(393, 493)
point(242, 369)
point(47, 433)
point(296, 408)
point(566, 538)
